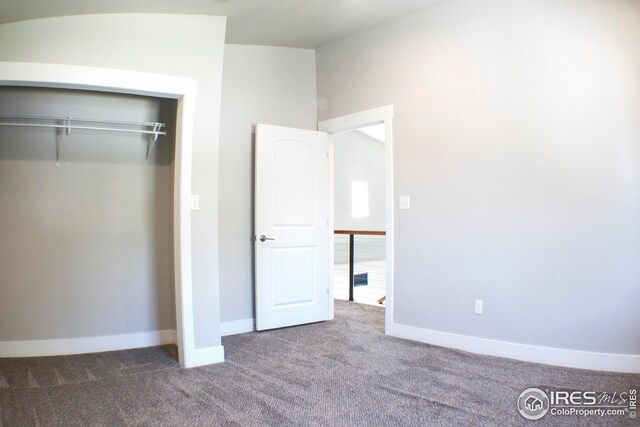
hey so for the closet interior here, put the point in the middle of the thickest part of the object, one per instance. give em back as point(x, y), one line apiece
point(86, 214)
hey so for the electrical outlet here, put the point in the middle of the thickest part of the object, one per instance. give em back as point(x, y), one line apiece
point(478, 306)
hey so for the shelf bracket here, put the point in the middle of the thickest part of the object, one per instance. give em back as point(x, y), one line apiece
point(153, 138)
point(58, 149)
point(67, 124)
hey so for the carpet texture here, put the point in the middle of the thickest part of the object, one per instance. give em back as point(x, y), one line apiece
point(339, 373)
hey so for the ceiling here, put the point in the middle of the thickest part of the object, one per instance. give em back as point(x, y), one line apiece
point(292, 23)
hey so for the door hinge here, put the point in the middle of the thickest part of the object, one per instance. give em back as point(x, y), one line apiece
point(327, 154)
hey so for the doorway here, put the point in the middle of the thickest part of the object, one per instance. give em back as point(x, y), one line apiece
point(295, 219)
point(361, 258)
point(359, 215)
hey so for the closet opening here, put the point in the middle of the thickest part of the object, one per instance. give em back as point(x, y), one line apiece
point(183, 91)
point(87, 219)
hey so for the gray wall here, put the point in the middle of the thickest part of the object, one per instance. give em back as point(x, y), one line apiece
point(358, 157)
point(261, 84)
point(516, 133)
point(178, 45)
point(86, 248)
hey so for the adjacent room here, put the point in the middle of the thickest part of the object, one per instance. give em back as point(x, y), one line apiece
point(300, 212)
point(360, 215)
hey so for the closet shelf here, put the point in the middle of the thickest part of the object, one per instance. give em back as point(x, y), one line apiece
point(67, 124)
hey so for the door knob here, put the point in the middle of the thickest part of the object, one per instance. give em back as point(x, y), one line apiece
point(264, 238)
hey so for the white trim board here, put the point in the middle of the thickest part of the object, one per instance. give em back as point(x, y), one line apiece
point(357, 120)
point(346, 124)
point(235, 327)
point(146, 84)
point(61, 76)
point(68, 346)
point(205, 356)
point(627, 363)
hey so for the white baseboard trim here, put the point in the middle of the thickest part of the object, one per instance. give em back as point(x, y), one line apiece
point(67, 346)
point(205, 356)
point(628, 363)
point(235, 327)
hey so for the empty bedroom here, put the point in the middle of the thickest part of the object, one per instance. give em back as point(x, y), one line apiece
point(331, 213)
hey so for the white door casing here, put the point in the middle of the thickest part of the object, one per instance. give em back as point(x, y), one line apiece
point(358, 120)
point(138, 83)
point(292, 207)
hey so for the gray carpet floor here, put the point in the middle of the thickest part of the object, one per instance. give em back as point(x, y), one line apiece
point(340, 373)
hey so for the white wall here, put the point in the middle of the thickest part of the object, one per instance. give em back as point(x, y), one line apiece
point(358, 157)
point(178, 45)
point(261, 84)
point(516, 133)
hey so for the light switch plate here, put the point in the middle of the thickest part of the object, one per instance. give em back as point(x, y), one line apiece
point(477, 308)
point(405, 203)
point(195, 202)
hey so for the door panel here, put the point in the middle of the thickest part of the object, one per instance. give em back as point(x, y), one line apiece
point(293, 265)
point(293, 164)
point(292, 211)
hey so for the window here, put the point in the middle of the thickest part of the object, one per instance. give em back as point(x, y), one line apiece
point(359, 199)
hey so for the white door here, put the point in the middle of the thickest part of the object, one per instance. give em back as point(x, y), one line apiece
point(291, 226)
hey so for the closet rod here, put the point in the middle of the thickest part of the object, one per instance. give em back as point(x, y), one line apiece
point(39, 125)
point(80, 119)
point(152, 129)
point(70, 123)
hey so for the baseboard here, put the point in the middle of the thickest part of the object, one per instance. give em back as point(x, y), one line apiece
point(628, 363)
point(67, 346)
point(235, 327)
point(205, 356)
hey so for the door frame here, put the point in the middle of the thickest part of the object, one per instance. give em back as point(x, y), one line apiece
point(139, 83)
point(345, 124)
